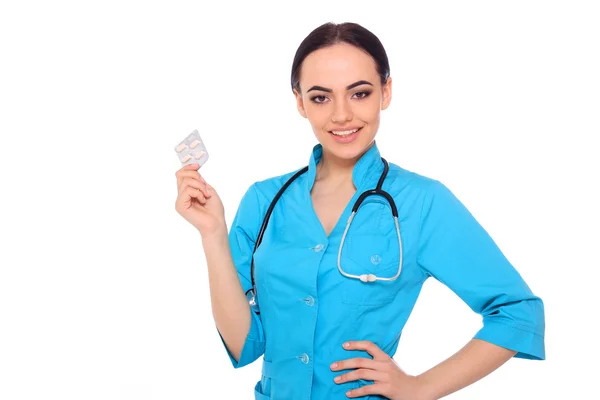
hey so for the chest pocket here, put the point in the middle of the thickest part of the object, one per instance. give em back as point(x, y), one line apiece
point(371, 247)
point(372, 254)
point(371, 244)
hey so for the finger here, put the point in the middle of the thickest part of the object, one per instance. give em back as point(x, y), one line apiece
point(369, 347)
point(189, 167)
point(362, 373)
point(186, 170)
point(191, 192)
point(196, 184)
point(195, 175)
point(209, 189)
point(354, 363)
point(190, 174)
point(190, 182)
point(188, 198)
point(366, 390)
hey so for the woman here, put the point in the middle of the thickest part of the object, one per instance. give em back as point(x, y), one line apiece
point(325, 333)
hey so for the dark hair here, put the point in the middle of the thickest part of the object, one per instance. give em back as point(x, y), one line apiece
point(329, 34)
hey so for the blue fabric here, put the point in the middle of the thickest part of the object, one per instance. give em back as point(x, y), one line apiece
point(308, 309)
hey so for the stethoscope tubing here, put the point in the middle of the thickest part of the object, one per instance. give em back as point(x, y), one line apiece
point(367, 278)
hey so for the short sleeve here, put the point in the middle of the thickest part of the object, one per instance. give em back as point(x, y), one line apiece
point(242, 237)
point(457, 251)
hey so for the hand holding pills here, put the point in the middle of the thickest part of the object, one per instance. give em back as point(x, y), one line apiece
point(197, 201)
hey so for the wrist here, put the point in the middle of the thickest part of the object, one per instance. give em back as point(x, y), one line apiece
point(215, 236)
point(424, 388)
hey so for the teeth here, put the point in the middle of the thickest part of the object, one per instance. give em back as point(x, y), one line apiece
point(344, 133)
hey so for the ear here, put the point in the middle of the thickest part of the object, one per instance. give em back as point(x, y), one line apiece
point(299, 103)
point(386, 93)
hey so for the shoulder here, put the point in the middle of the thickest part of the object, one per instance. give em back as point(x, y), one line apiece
point(266, 189)
point(402, 179)
point(419, 189)
point(256, 200)
point(424, 191)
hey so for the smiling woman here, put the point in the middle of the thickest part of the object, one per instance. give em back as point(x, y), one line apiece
point(325, 332)
point(348, 84)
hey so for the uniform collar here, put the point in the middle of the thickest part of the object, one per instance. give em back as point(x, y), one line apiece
point(367, 169)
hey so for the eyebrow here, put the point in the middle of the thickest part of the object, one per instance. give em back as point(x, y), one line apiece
point(355, 84)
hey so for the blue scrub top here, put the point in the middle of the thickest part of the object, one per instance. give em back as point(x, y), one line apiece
point(308, 309)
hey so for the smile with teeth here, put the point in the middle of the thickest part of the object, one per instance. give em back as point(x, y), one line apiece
point(345, 133)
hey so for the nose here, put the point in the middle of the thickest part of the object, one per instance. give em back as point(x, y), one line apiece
point(342, 112)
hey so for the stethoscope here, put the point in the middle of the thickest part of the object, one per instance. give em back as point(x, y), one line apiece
point(367, 278)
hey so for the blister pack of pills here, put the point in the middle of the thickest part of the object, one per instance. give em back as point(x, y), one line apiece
point(191, 150)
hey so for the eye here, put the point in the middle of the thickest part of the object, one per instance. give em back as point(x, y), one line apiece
point(319, 99)
point(362, 95)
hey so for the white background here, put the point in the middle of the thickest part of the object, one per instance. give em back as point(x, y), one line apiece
point(103, 286)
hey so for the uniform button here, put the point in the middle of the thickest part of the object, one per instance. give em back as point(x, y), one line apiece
point(375, 259)
point(310, 301)
point(318, 247)
point(304, 358)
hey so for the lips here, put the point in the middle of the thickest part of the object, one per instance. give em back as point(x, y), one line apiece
point(345, 132)
point(345, 136)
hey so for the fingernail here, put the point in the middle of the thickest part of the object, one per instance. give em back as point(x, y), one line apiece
point(208, 191)
point(334, 365)
point(346, 345)
point(348, 393)
point(337, 379)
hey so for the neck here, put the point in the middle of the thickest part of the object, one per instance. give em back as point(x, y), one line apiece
point(334, 169)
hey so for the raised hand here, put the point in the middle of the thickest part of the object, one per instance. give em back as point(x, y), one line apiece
point(198, 202)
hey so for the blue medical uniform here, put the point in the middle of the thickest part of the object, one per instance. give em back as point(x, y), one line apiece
point(308, 309)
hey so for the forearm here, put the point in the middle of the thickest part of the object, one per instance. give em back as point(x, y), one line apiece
point(471, 363)
point(229, 304)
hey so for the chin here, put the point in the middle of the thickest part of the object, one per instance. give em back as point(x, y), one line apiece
point(347, 151)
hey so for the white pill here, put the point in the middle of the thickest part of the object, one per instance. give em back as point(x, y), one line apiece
point(194, 144)
point(180, 148)
point(186, 158)
point(199, 154)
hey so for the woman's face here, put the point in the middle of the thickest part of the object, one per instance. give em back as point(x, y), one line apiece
point(342, 92)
